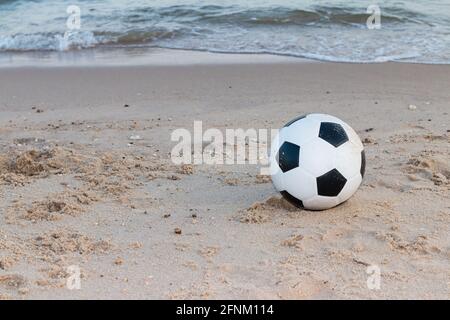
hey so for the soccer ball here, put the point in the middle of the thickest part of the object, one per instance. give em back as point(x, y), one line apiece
point(317, 161)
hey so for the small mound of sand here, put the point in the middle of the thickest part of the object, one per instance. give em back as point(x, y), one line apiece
point(231, 181)
point(50, 210)
point(261, 212)
point(420, 245)
point(54, 207)
point(280, 203)
point(115, 174)
point(293, 242)
point(36, 162)
point(6, 262)
point(208, 252)
point(11, 250)
point(59, 248)
point(434, 137)
point(19, 166)
point(260, 178)
point(12, 281)
point(59, 243)
point(187, 169)
point(30, 163)
point(433, 167)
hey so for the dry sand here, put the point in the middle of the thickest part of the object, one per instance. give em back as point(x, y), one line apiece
point(75, 190)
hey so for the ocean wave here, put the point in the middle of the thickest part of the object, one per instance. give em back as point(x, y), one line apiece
point(49, 41)
point(77, 40)
point(273, 15)
point(323, 32)
point(140, 37)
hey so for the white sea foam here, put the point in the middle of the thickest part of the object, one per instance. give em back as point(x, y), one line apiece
point(49, 42)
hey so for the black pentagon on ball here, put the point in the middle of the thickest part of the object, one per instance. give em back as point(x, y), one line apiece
point(331, 183)
point(295, 120)
point(333, 133)
point(363, 163)
point(291, 199)
point(288, 156)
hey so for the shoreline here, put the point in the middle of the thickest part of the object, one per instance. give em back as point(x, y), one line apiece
point(135, 56)
point(120, 57)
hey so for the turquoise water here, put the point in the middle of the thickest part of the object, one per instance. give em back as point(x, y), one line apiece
point(415, 31)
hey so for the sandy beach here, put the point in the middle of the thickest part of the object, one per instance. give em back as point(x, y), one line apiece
point(87, 181)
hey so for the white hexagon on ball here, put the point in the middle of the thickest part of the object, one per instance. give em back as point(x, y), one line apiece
point(317, 161)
